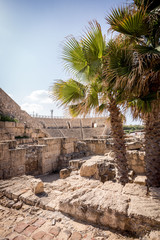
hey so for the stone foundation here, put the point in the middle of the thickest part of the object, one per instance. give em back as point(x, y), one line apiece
point(130, 208)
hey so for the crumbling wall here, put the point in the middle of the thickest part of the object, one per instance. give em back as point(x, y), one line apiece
point(9, 107)
point(135, 152)
point(12, 160)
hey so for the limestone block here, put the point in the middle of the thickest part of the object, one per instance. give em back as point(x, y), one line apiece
point(33, 135)
point(29, 130)
point(138, 169)
point(136, 161)
point(76, 164)
point(37, 186)
point(64, 173)
point(4, 146)
point(154, 192)
point(135, 189)
point(146, 207)
point(2, 124)
point(18, 170)
point(134, 145)
point(10, 124)
point(153, 235)
point(17, 157)
point(141, 155)
point(140, 180)
point(12, 144)
point(97, 167)
point(19, 125)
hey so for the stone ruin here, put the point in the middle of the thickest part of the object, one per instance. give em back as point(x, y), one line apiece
point(86, 189)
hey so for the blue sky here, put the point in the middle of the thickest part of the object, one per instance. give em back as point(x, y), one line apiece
point(31, 33)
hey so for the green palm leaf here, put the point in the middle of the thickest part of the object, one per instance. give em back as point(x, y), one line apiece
point(128, 21)
point(69, 91)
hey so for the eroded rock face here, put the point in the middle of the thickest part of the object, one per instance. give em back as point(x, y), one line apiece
point(99, 168)
point(37, 186)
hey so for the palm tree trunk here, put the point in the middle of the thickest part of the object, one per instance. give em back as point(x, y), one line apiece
point(152, 148)
point(119, 148)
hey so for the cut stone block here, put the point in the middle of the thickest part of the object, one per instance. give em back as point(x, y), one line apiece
point(37, 186)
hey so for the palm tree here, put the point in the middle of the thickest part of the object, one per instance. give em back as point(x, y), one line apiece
point(85, 59)
point(140, 24)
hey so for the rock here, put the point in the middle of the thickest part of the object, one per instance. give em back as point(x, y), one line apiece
point(53, 222)
point(64, 235)
point(76, 164)
point(10, 204)
point(110, 155)
point(133, 145)
point(140, 180)
point(76, 236)
point(64, 173)
point(153, 235)
point(55, 230)
point(98, 168)
point(136, 161)
point(18, 205)
point(154, 192)
point(37, 186)
point(81, 146)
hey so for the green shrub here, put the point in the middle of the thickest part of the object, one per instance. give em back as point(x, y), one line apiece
point(5, 118)
point(20, 137)
point(132, 128)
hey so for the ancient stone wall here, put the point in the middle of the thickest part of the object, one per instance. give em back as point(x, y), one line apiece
point(9, 107)
point(26, 156)
point(17, 130)
point(135, 152)
point(12, 160)
point(54, 127)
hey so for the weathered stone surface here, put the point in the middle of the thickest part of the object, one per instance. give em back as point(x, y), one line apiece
point(136, 161)
point(134, 145)
point(76, 164)
point(154, 192)
point(37, 186)
point(76, 236)
point(97, 167)
point(55, 231)
point(64, 235)
point(153, 235)
point(64, 173)
point(135, 190)
point(140, 180)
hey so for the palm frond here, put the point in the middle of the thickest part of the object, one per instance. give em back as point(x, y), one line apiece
point(84, 57)
point(128, 21)
point(147, 50)
point(74, 56)
point(68, 91)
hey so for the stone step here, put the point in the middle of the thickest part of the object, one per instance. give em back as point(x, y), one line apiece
point(128, 208)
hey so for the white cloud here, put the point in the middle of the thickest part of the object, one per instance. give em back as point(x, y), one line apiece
point(32, 107)
point(40, 103)
point(40, 96)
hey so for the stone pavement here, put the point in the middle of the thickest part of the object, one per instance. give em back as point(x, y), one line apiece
point(24, 215)
point(32, 223)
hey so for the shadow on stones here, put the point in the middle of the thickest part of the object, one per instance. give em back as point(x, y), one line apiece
point(49, 178)
point(43, 194)
point(100, 227)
